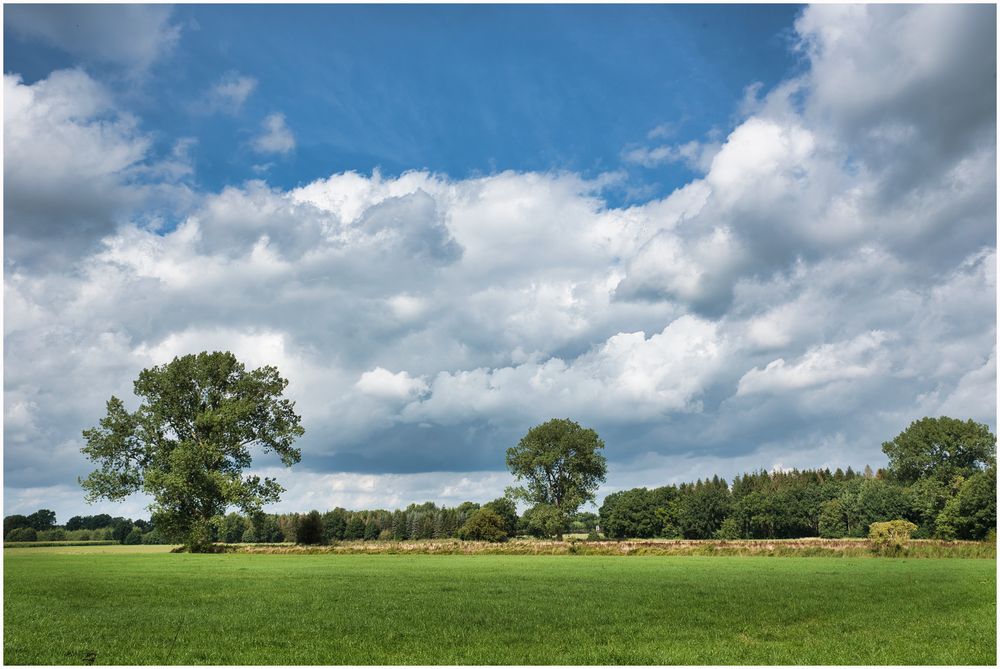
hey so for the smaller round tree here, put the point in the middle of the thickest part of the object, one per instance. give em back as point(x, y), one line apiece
point(483, 525)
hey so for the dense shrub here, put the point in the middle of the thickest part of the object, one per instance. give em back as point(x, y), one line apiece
point(483, 525)
point(890, 537)
point(57, 534)
point(22, 534)
point(134, 537)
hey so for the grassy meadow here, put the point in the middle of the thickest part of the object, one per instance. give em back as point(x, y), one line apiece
point(143, 605)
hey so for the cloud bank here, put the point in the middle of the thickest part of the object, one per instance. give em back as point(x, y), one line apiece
point(829, 277)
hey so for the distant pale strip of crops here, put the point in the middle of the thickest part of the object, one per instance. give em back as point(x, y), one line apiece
point(50, 544)
point(917, 548)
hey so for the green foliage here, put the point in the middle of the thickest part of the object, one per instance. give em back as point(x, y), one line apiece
point(890, 537)
point(22, 534)
point(505, 508)
point(88, 522)
point(630, 513)
point(544, 521)
point(867, 501)
point(232, 528)
point(832, 519)
point(705, 506)
point(483, 525)
point(942, 448)
point(467, 507)
point(972, 512)
point(14, 522)
point(153, 537)
point(120, 527)
point(187, 445)
point(310, 529)
point(927, 497)
point(583, 521)
point(43, 519)
point(134, 537)
point(356, 528)
point(40, 520)
point(57, 534)
point(729, 530)
point(561, 465)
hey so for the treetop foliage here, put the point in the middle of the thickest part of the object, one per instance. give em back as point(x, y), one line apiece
point(483, 525)
point(942, 448)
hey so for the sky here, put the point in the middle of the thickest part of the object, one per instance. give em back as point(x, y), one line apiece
point(726, 237)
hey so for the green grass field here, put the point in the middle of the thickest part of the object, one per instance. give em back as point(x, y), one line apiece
point(115, 605)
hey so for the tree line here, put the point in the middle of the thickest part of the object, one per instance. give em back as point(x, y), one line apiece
point(41, 526)
point(941, 477)
point(187, 446)
point(417, 521)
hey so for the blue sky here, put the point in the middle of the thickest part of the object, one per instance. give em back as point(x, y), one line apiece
point(727, 237)
point(460, 90)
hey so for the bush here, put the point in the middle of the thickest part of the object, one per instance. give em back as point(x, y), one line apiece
point(483, 525)
point(310, 529)
point(133, 538)
point(22, 534)
point(52, 535)
point(891, 537)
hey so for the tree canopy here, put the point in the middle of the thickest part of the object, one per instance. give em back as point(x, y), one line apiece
point(561, 465)
point(187, 445)
point(940, 448)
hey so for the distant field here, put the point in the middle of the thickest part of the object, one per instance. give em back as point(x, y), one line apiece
point(54, 544)
point(142, 605)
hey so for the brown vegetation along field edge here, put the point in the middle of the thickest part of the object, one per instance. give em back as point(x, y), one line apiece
point(917, 548)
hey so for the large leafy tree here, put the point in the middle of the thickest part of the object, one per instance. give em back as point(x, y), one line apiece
point(188, 443)
point(942, 448)
point(561, 465)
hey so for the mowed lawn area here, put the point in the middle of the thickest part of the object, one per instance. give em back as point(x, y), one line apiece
point(112, 605)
